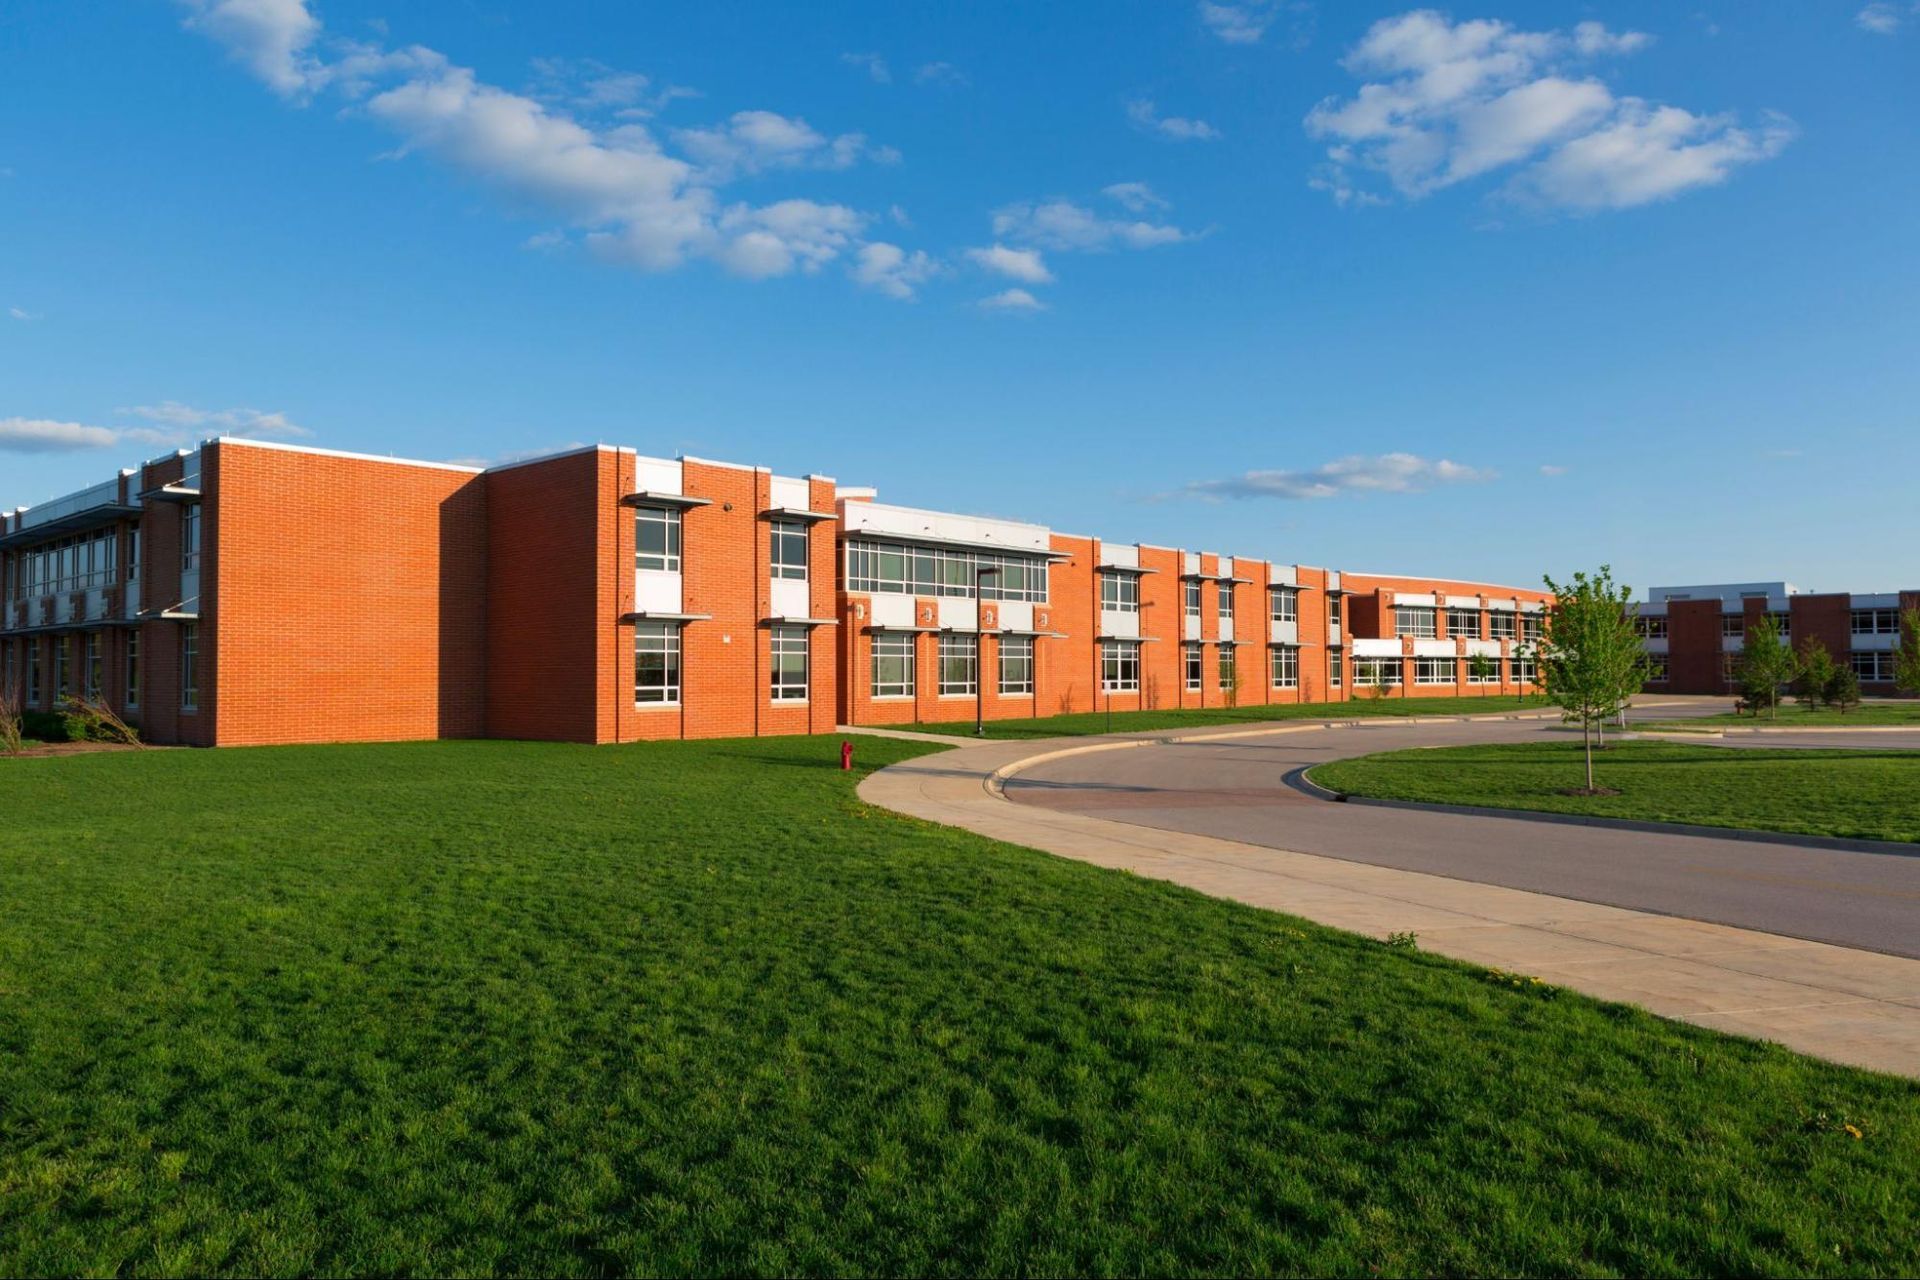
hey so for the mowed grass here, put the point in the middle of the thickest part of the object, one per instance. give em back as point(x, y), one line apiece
point(692, 1008)
point(1094, 722)
point(1872, 795)
point(1792, 715)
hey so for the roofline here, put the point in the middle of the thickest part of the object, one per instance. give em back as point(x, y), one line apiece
point(338, 453)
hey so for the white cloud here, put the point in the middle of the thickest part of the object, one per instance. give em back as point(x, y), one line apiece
point(1442, 102)
point(1024, 265)
point(891, 269)
point(755, 141)
point(273, 38)
point(790, 235)
point(1884, 17)
point(1013, 300)
point(874, 65)
point(1176, 128)
point(1552, 469)
point(174, 424)
point(942, 75)
point(44, 435)
point(19, 313)
point(1242, 23)
point(184, 418)
point(1135, 197)
point(590, 86)
point(1386, 473)
point(1061, 224)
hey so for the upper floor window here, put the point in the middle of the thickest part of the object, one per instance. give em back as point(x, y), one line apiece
point(1414, 620)
point(893, 568)
point(1333, 608)
point(1192, 586)
point(1120, 592)
point(1283, 604)
point(1502, 624)
point(1876, 622)
point(1733, 625)
point(1651, 626)
point(1226, 599)
point(190, 538)
point(133, 553)
point(656, 538)
point(1782, 625)
point(787, 549)
point(1464, 622)
point(1533, 626)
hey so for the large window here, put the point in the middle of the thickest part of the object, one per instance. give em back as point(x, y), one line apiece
point(1533, 626)
point(1876, 665)
point(656, 538)
point(1656, 668)
point(959, 665)
point(1228, 673)
point(787, 549)
point(1502, 624)
point(894, 568)
point(1286, 667)
point(1120, 592)
point(1414, 620)
point(33, 673)
point(1651, 626)
point(1283, 604)
point(1334, 665)
point(1876, 622)
point(1016, 665)
point(70, 564)
point(788, 663)
point(133, 553)
point(1191, 661)
point(1120, 666)
point(190, 538)
point(93, 674)
point(656, 663)
point(1372, 671)
point(1521, 665)
point(62, 668)
point(189, 667)
point(1192, 597)
point(1433, 671)
point(1464, 622)
point(1733, 625)
point(893, 664)
point(1225, 599)
point(1488, 672)
point(1782, 625)
point(132, 698)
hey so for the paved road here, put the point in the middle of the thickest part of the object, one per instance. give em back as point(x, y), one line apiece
point(1237, 790)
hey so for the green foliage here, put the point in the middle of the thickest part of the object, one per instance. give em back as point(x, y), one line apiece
point(497, 1008)
point(1843, 689)
point(1813, 673)
point(1482, 668)
point(1766, 664)
point(1591, 660)
point(1906, 659)
point(47, 726)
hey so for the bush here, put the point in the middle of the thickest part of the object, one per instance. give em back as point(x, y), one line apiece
point(44, 726)
point(76, 722)
point(1843, 689)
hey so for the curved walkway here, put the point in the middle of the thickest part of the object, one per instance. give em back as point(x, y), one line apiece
point(1211, 811)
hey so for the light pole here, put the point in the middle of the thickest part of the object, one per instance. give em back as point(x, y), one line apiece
point(980, 574)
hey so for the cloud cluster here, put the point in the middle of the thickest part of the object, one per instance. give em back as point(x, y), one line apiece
point(1445, 101)
point(613, 183)
point(1385, 473)
point(175, 424)
point(1884, 17)
point(1023, 231)
point(1174, 128)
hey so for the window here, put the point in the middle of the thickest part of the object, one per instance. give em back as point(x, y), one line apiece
point(1733, 625)
point(656, 538)
point(1657, 668)
point(1783, 625)
point(959, 665)
point(1016, 665)
point(893, 664)
point(1876, 622)
point(1876, 666)
point(895, 568)
point(788, 663)
point(1650, 626)
point(1414, 620)
point(133, 553)
point(1225, 600)
point(190, 538)
point(1464, 622)
point(1227, 669)
point(1283, 604)
point(787, 549)
point(1489, 672)
point(1521, 665)
point(1193, 597)
point(1190, 653)
point(62, 668)
point(33, 673)
point(1730, 668)
point(1433, 670)
point(1533, 626)
point(93, 675)
point(1333, 609)
point(1286, 667)
point(1334, 665)
point(1120, 666)
point(189, 667)
point(132, 698)
point(1373, 671)
point(1502, 624)
point(1120, 592)
point(656, 663)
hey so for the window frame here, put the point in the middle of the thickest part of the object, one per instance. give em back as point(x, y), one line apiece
point(1471, 631)
point(670, 557)
point(893, 646)
point(190, 533)
point(1226, 666)
point(130, 694)
point(1425, 667)
point(781, 538)
point(668, 648)
point(1280, 658)
point(189, 666)
point(1421, 621)
point(1192, 666)
point(1283, 605)
point(1016, 651)
point(957, 652)
point(1117, 659)
point(1190, 597)
point(784, 642)
point(1119, 592)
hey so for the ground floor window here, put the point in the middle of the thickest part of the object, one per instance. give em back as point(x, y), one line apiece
point(94, 674)
point(1371, 671)
point(1016, 665)
point(1656, 668)
point(1522, 666)
point(1228, 672)
point(33, 673)
point(1334, 664)
point(1483, 669)
point(133, 669)
point(1874, 665)
point(1191, 655)
point(1433, 671)
point(1120, 666)
point(788, 663)
point(1730, 668)
point(189, 667)
point(1286, 667)
point(959, 665)
point(893, 664)
point(63, 668)
point(656, 663)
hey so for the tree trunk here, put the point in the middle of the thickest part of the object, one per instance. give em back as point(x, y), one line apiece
point(1586, 739)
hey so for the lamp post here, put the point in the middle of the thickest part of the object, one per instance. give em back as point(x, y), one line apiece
point(980, 575)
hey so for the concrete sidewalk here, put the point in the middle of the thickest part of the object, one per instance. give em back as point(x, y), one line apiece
point(1857, 1007)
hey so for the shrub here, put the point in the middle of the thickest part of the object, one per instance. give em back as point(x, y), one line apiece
point(92, 720)
point(45, 726)
point(1843, 689)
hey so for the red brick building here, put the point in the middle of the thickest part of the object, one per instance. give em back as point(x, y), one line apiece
point(245, 593)
point(1694, 635)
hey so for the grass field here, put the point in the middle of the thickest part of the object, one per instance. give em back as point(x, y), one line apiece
point(1793, 715)
point(498, 1007)
point(1873, 795)
point(1090, 722)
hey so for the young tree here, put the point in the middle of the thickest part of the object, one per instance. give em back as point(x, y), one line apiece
point(1765, 665)
point(1906, 659)
point(1481, 669)
point(1813, 673)
point(1843, 689)
point(1591, 659)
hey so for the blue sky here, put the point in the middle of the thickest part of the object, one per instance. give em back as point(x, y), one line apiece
point(1483, 291)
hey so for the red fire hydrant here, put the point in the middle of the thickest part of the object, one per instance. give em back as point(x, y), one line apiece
point(846, 755)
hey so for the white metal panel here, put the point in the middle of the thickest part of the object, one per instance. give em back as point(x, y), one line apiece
point(1531, 606)
point(788, 492)
point(892, 611)
point(1226, 628)
point(190, 591)
point(656, 591)
point(1192, 629)
point(1376, 648)
point(791, 599)
point(1491, 648)
point(1429, 601)
point(1333, 633)
point(1283, 575)
point(1885, 600)
point(1333, 580)
point(961, 615)
point(1733, 644)
point(1015, 615)
point(880, 519)
point(103, 494)
point(1286, 633)
point(1655, 644)
point(1434, 649)
point(1114, 622)
point(658, 475)
point(1226, 566)
point(1190, 562)
point(1875, 642)
point(1120, 553)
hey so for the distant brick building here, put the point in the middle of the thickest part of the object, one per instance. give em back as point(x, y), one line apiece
point(1694, 636)
point(245, 593)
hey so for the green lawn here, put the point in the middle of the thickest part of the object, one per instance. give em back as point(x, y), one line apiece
point(1871, 795)
point(1090, 722)
point(499, 1007)
point(1792, 715)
